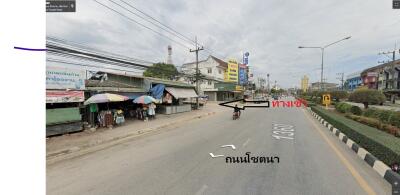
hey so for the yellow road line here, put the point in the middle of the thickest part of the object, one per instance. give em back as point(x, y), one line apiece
point(364, 185)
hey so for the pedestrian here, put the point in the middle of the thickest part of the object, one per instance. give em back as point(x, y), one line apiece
point(139, 113)
point(145, 113)
point(152, 111)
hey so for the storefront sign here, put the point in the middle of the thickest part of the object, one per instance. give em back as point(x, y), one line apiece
point(64, 78)
point(231, 74)
point(53, 96)
point(242, 74)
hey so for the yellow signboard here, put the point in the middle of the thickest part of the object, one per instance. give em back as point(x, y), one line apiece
point(239, 88)
point(326, 99)
point(231, 74)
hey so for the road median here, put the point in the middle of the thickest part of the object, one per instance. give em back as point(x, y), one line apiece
point(348, 132)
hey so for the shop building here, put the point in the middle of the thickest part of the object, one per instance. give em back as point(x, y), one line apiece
point(213, 69)
point(175, 96)
point(64, 100)
point(353, 81)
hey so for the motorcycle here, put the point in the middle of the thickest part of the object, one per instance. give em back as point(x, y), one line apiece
point(235, 115)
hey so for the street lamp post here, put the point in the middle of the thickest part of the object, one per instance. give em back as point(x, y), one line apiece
point(322, 59)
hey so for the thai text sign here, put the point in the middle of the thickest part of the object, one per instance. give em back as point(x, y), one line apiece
point(64, 78)
point(231, 74)
point(53, 96)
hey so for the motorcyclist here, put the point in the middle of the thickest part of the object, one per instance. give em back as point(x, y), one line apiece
point(236, 110)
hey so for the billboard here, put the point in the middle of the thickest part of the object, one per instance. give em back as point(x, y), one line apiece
point(242, 74)
point(53, 96)
point(65, 78)
point(231, 74)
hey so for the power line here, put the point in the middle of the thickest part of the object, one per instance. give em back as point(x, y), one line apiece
point(169, 29)
point(87, 65)
point(142, 24)
point(67, 43)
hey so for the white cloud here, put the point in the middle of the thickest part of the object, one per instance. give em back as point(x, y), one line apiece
point(270, 30)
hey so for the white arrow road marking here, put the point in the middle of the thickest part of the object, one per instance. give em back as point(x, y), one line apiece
point(233, 146)
point(247, 141)
point(215, 156)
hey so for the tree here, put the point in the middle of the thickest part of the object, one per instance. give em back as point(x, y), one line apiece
point(367, 96)
point(161, 70)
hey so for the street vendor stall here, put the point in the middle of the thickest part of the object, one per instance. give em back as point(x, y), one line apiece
point(106, 117)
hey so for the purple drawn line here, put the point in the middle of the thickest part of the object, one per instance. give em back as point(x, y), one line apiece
point(29, 49)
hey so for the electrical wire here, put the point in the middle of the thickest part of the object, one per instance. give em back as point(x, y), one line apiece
point(129, 18)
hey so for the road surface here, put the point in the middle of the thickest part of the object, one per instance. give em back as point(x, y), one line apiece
point(178, 161)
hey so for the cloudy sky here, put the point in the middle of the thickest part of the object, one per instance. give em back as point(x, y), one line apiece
point(270, 30)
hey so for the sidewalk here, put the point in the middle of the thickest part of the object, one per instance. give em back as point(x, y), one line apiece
point(395, 108)
point(62, 145)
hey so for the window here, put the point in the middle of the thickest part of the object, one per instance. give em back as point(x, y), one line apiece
point(209, 70)
point(219, 71)
point(209, 83)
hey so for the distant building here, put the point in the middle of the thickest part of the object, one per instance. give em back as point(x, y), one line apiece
point(353, 81)
point(327, 86)
point(304, 83)
point(214, 84)
point(384, 77)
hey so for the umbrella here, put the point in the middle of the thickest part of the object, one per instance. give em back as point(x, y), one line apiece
point(144, 99)
point(105, 97)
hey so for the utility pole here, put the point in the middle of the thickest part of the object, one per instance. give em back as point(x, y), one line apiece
point(197, 71)
point(341, 79)
point(268, 86)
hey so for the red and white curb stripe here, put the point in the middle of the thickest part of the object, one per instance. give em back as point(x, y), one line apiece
point(383, 170)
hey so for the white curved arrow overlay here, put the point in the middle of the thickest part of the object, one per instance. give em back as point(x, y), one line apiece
point(233, 146)
point(215, 156)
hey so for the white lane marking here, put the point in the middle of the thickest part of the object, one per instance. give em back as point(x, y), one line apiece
point(232, 146)
point(215, 156)
point(247, 141)
point(202, 189)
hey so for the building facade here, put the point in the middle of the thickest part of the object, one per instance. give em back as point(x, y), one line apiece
point(353, 81)
point(304, 83)
point(214, 69)
point(327, 86)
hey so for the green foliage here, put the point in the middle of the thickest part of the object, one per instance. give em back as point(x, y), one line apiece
point(386, 116)
point(343, 107)
point(382, 145)
point(338, 95)
point(356, 110)
point(161, 70)
point(367, 97)
point(371, 112)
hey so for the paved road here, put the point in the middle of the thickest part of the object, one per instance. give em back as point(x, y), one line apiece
point(177, 161)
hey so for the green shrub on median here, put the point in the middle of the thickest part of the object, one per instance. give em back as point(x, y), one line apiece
point(343, 107)
point(356, 110)
point(385, 116)
point(382, 145)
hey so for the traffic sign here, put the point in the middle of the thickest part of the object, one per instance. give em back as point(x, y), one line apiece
point(326, 99)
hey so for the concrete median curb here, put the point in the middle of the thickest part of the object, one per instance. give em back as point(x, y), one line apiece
point(381, 168)
point(76, 151)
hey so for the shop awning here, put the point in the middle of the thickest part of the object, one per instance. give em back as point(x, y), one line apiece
point(181, 92)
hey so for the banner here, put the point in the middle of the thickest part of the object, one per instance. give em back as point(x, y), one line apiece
point(64, 78)
point(232, 72)
point(242, 74)
point(64, 96)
